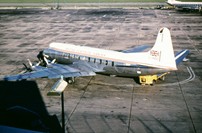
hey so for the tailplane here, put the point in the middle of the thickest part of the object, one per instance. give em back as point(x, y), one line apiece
point(181, 56)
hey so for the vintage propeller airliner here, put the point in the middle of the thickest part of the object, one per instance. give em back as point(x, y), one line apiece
point(70, 61)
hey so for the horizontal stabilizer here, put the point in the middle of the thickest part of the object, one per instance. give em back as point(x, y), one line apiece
point(179, 57)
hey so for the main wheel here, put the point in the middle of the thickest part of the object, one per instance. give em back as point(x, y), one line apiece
point(70, 80)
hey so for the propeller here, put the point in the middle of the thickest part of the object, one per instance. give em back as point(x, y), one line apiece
point(28, 68)
point(43, 59)
point(48, 62)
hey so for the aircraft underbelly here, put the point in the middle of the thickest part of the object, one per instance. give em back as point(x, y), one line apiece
point(126, 71)
point(132, 71)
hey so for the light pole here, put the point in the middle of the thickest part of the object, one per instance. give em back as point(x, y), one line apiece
point(58, 90)
point(63, 114)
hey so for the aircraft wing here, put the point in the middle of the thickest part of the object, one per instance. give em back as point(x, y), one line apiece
point(140, 48)
point(53, 71)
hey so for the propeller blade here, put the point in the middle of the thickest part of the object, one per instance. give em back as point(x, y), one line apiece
point(46, 61)
point(27, 68)
point(53, 61)
point(30, 63)
point(45, 55)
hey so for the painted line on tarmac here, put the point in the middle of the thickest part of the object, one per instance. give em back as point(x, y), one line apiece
point(191, 78)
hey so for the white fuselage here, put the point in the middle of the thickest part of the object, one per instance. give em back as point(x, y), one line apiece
point(186, 5)
point(142, 58)
point(105, 61)
point(160, 58)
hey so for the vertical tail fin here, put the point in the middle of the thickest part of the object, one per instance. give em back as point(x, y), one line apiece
point(162, 52)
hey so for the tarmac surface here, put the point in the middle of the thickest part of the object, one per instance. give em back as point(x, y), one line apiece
point(111, 104)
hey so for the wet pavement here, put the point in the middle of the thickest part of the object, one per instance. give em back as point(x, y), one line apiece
point(111, 104)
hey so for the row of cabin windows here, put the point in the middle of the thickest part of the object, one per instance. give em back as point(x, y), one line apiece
point(187, 5)
point(89, 59)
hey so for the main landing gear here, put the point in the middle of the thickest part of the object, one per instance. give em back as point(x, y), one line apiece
point(151, 79)
point(70, 80)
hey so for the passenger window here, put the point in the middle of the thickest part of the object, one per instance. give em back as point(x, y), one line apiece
point(106, 62)
point(97, 61)
point(112, 63)
point(71, 56)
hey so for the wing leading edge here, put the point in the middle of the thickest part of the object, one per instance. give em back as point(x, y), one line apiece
point(54, 71)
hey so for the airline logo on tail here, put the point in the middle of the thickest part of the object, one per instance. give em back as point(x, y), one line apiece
point(156, 55)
